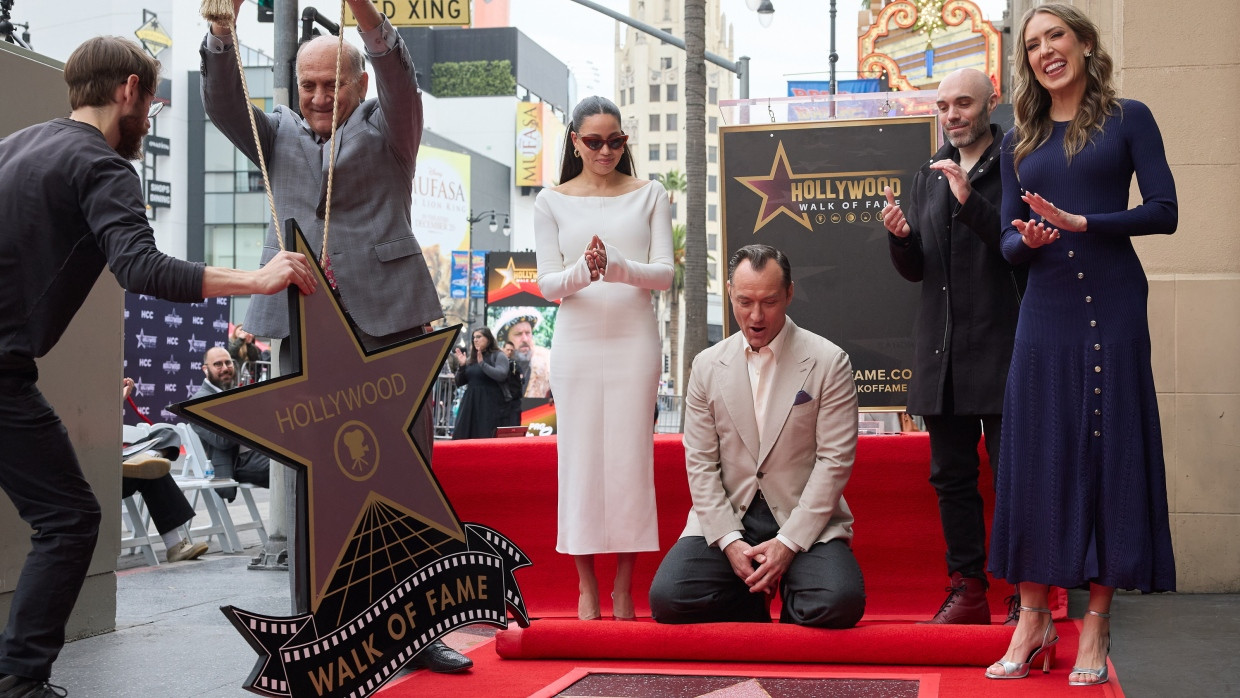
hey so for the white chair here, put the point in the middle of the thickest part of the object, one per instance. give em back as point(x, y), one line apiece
point(133, 517)
point(196, 461)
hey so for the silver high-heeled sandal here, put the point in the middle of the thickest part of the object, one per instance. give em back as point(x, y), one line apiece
point(1102, 673)
point(1019, 670)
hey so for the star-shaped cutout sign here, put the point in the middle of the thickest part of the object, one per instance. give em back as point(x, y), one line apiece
point(776, 192)
point(344, 418)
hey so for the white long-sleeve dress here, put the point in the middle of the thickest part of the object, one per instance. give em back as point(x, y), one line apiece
point(605, 362)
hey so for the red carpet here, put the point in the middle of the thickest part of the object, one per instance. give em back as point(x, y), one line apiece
point(495, 677)
point(510, 485)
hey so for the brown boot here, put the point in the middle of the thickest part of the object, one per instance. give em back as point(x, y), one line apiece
point(966, 603)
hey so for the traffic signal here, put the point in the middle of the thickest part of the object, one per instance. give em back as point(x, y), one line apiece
point(266, 10)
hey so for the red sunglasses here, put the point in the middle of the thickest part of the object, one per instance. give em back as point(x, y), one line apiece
point(596, 143)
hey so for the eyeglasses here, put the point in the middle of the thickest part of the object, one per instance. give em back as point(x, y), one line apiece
point(155, 107)
point(596, 143)
point(220, 364)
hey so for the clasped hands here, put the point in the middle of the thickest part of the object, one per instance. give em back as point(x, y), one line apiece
point(596, 258)
point(772, 558)
point(1053, 220)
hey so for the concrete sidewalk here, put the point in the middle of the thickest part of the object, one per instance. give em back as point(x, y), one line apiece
point(172, 640)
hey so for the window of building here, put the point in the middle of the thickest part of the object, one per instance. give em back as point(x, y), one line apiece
point(622, 97)
point(712, 124)
point(632, 95)
point(712, 183)
point(672, 93)
point(712, 153)
point(712, 212)
point(674, 207)
point(712, 95)
point(712, 242)
point(655, 122)
point(654, 151)
point(665, 62)
point(672, 151)
point(671, 122)
point(654, 93)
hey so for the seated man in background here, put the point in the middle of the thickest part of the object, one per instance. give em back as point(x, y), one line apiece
point(146, 473)
point(229, 458)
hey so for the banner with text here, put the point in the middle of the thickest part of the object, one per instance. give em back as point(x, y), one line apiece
point(440, 218)
point(815, 191)
point(164, 345)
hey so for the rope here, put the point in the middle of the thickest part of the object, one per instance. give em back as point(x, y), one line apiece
point(331, 164)
point(262, 161)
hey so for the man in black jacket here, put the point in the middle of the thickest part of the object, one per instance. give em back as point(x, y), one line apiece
point(71, 204)
point(970, 298)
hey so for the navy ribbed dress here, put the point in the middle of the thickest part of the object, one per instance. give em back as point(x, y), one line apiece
point(1081, 492)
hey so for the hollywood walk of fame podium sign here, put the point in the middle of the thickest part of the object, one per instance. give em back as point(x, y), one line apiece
point(390, 566)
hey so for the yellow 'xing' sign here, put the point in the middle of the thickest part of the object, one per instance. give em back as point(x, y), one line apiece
point(420, 13)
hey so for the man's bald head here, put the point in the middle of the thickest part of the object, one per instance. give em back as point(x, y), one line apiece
point(316, 82)
point(966, 98)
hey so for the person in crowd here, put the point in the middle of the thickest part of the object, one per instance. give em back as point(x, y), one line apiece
point(603, 240)
point(372, 258)
point(1081, 494)
point(770, 437)
point(483, 372)
point(517, 326)
point(147, 473)
point(966, 322)
point(513, 388)
point(72, 203)
point(229, 458)
point(242, 349)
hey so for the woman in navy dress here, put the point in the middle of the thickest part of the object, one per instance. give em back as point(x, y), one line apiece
point(1081, 497)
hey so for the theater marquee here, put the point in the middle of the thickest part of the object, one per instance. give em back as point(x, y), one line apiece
point(815, 191)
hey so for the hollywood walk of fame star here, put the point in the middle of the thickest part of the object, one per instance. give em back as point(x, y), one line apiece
point(776, 192)
point(344, 418)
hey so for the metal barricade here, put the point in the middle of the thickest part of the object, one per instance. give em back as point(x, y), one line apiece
point(443, 397)
point(668, 419)
point(252, 371)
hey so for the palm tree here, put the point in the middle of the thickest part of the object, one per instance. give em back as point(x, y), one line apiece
point(674, 181)
point(678, 286)
point(695, 257)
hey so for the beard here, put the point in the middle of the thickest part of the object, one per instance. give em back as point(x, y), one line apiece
point(976, 130)
point(133, 128)
point(223, 383)
point(522, 355)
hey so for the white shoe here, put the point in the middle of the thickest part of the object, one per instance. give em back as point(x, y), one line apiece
point(186, 550)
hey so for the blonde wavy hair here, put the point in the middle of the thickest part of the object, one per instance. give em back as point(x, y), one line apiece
point(1032, 103)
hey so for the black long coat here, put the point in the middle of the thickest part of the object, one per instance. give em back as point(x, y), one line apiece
point(970, 295)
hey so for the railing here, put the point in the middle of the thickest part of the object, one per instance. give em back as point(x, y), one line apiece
point(668, 419)
point(252, 371)
point(443, 401)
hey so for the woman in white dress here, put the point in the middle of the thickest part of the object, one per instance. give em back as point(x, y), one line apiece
point(604, 242)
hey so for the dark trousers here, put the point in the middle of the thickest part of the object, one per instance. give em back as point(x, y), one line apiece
point(695, 583)
point(164, 500)
point(953, 472)
point(41, 476)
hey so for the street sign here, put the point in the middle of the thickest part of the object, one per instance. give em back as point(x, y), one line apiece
point(153, 36)
point(156, 145)
point(419, 13)
point(158, 194)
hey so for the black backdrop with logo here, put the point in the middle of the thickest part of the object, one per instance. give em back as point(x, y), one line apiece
point(814, 191)
point(164, 344)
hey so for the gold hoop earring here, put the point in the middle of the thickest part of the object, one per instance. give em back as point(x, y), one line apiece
point(576, 153)
point(1088, 54)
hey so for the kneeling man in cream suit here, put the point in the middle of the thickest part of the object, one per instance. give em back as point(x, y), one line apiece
point(770, 435)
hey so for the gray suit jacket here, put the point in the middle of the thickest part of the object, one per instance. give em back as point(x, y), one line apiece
point(806, 458)
point(380, 273)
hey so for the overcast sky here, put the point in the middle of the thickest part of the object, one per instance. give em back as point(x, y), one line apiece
point(795, 46)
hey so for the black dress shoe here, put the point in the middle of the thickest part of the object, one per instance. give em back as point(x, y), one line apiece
point(441, 659)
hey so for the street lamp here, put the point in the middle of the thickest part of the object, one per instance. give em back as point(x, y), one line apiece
point(766, 13)
point(493, 225)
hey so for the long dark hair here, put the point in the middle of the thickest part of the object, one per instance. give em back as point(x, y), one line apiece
point(570, 165)
point(1031, 103)
point(490, 347)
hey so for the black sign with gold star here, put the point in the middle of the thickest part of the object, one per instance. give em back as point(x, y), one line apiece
point(390, 566)
point(814, 190)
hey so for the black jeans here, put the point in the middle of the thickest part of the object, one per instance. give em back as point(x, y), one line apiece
point(41, 476)
point(954, 468)
point(695, 583)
